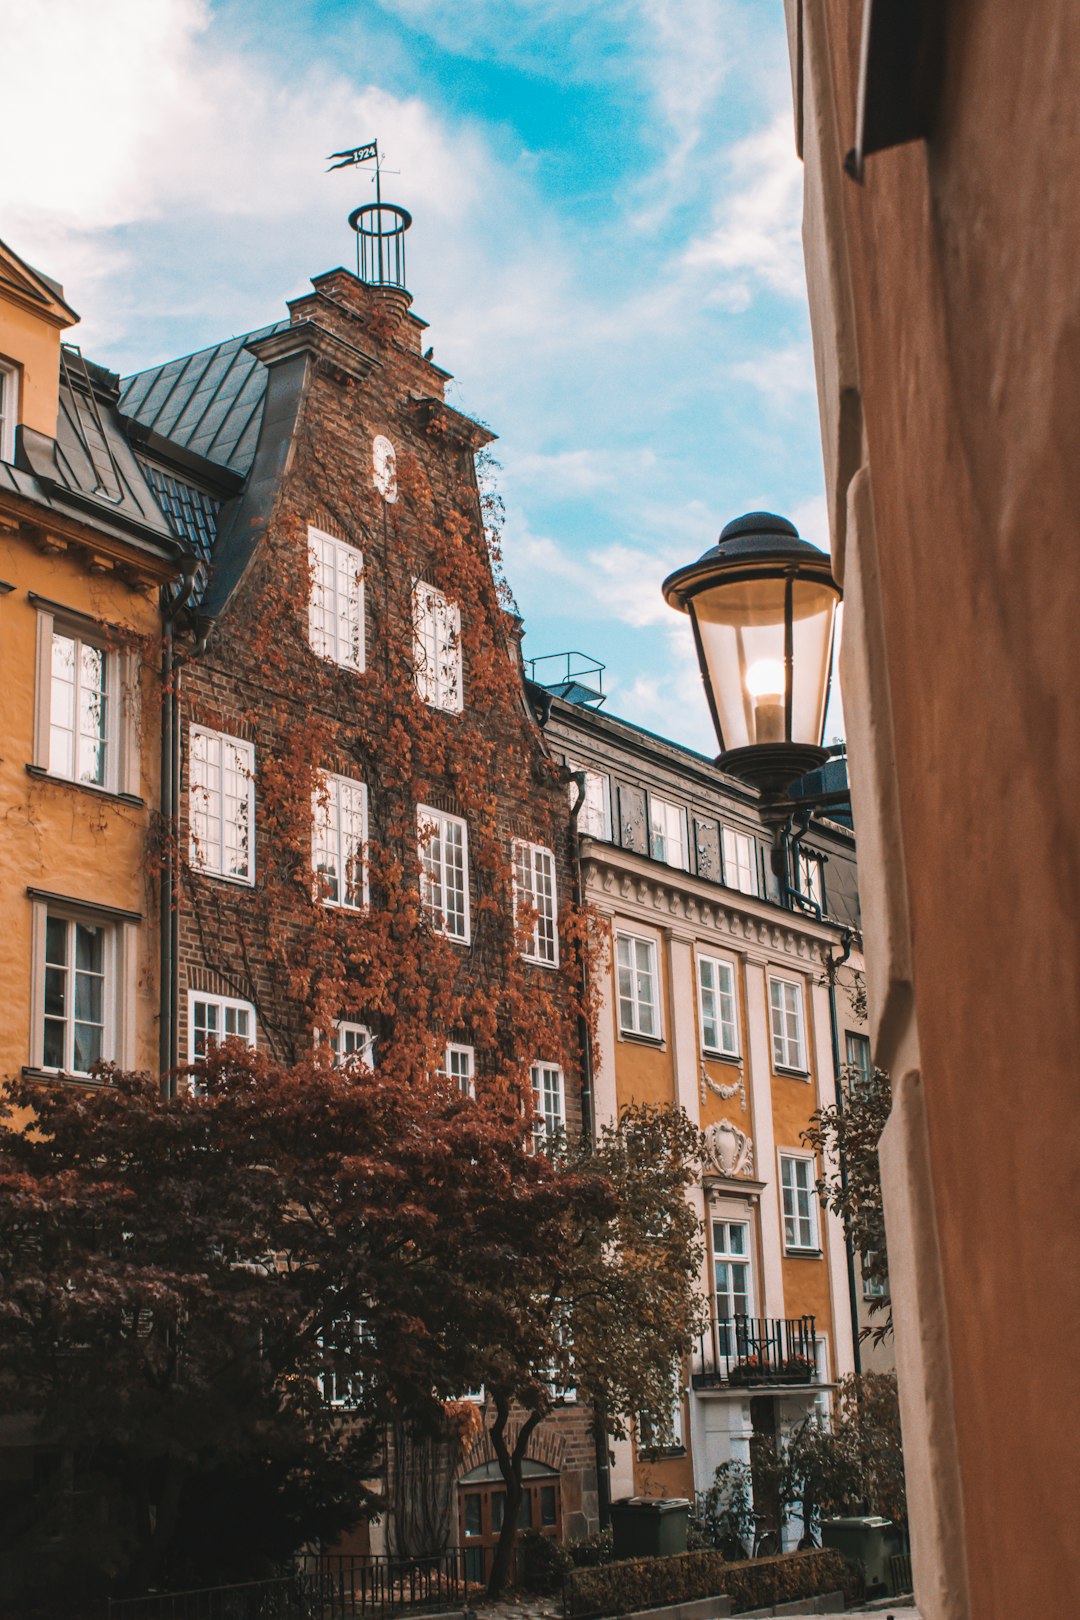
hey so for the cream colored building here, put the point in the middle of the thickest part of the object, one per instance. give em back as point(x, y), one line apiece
point(716, 996)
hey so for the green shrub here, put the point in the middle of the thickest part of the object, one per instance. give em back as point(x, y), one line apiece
point(542, 1563)
point(653, 1583)
point(593, 1550)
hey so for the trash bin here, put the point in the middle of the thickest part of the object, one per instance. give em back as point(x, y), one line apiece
point(870, 1541)
point(646, 1527)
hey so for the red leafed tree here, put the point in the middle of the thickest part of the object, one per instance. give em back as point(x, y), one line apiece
point(211, 1307)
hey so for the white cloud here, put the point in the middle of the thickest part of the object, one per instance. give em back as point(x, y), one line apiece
point(755, 236)
point(185, 199)
point(783, 377)
point(811, 518)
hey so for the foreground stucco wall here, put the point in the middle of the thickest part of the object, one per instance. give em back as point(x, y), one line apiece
point(947, 339)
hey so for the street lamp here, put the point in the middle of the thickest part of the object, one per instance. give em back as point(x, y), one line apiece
point(762, 603)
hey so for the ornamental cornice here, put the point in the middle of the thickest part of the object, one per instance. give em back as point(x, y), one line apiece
point(674, 905)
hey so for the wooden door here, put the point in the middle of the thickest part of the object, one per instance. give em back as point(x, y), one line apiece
point(481, 1509)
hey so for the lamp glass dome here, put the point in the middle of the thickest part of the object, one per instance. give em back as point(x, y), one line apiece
point(762, 603)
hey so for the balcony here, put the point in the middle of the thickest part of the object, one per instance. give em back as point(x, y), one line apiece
point(755, 1352)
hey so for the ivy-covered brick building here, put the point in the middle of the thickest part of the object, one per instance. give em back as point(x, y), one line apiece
point(367, 840)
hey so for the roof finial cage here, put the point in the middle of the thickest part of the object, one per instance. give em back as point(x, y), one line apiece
point(380, 243)
point(380, 227)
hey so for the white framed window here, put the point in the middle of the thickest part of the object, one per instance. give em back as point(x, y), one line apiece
point(77, 1027)
point(341, 1382)
point(87, 704)
point(444, 872)
point(664, 1432)
point(82, 698)
point(732, 1285)
point(353, 1043)
point(799, 1193)
point(667, 833)
point(336, 602)
point(534, 888)
point(338, 840)
point(810, 878)
point(716, 1003)
point(213, 1019)
point(549, 1096)
point(9, 409)
point(872, 1287)
point(857, 1055)
point(560, 1381)
point(786, 1022)
point(740, 860)
point(459, 1064)
point(638, 985)
point(437, 647)
point(594, 817)
point(221, 772)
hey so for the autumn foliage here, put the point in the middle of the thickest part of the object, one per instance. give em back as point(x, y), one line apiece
point(213, 1305)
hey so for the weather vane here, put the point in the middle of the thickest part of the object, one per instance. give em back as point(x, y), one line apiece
point(380, 250)
point(356, 155)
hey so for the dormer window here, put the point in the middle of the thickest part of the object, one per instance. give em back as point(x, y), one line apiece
point(9, 409)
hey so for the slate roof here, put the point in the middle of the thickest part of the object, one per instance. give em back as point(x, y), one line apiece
point(89, 469)
point(210, 402)
point(191, 511)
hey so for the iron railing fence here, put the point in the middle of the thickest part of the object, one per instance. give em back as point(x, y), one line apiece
point(900, 1578)
point(288, 1597)
point(754, 1351)
point(324, 1586)
point(369, 1586)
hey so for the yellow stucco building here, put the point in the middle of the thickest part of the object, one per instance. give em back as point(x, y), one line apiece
point(84, 554)
point(734, 1000)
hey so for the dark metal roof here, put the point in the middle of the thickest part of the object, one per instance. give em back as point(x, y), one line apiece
point(89, 469)
point(210, 402)
point(191, 511)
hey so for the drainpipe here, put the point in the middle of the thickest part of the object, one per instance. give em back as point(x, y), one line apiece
point(600, 1435)
point(167, 994)
point(847, 939)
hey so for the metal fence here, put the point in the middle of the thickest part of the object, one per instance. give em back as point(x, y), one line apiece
point(900, 1573)
point(365, 1586)
point(325, 1586)
point(290, 1597)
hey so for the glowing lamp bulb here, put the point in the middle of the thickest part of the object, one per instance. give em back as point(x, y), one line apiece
point(765, 684)
point(765, 678)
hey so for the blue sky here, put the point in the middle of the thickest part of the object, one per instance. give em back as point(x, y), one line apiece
point(606, 244)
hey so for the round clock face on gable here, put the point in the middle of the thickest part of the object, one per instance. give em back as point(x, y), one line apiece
point(384, 465)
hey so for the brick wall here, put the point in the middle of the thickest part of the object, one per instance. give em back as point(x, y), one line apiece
point(274, 944)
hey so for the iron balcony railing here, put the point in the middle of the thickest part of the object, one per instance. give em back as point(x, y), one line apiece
point(749, 1352)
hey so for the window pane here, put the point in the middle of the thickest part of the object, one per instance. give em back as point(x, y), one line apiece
point(93, 710)
point(62, 707)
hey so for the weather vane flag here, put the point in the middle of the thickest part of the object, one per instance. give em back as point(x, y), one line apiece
point(356, 154)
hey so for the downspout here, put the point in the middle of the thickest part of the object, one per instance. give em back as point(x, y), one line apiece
point(168, 791)
point(203, 628)
point(599, 1426)
point(847, 939)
